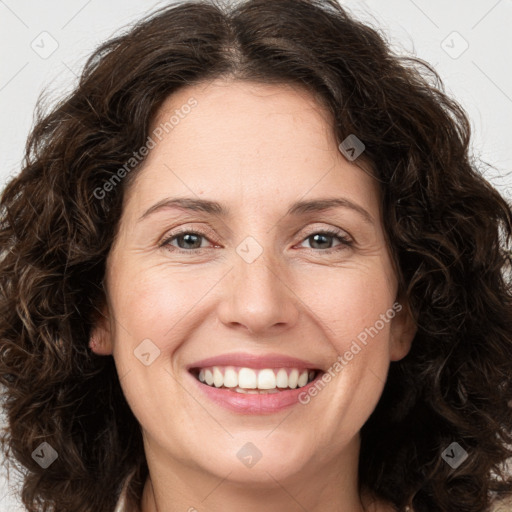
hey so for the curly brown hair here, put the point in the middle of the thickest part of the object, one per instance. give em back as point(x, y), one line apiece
point(448, 229)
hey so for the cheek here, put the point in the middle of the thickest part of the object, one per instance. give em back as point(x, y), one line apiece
point(153, 311)
point(349, 312)
point(350, 302)
point(156, 303)
point(356, 311)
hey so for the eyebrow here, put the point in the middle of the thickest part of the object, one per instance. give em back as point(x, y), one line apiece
point(296, 209)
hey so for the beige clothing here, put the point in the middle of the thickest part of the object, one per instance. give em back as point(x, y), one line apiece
point(121, 505)
point(502, 506)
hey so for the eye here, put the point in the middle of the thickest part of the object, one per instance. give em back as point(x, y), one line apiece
point(187, 241)
point(321, 238)
point(192, 241)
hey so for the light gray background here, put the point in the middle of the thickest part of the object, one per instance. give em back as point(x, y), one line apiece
point(480, 77)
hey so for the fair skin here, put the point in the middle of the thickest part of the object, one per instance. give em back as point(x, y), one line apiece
point(256, 149)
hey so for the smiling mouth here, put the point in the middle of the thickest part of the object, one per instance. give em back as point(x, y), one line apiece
point(254, 381)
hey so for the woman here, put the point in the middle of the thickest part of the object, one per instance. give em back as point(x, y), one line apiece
point(174, 336)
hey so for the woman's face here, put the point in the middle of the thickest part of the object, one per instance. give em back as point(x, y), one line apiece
point(252, 286)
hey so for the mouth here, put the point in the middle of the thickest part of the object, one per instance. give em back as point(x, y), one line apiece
point(261, 381)
point(254, 384)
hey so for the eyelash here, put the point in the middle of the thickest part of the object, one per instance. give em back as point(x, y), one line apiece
point(340, 235)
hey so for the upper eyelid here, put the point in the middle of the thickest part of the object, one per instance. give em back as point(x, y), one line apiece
point(204, 232)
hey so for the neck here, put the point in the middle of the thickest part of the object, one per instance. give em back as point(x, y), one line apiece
point(330, 486)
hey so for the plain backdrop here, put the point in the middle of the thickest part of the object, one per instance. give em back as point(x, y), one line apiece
point(43, 45)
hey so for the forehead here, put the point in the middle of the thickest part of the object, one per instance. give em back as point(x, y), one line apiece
point(245, 141)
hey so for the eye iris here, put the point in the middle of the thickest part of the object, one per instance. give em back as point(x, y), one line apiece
point(189, 238)
point(315, 240)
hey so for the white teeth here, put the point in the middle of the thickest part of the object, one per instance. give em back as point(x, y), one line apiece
point(293, 378)
point(218, 378)
point(208, 377)
point(230, 378)
point(282, 378)
point(303, 379)
point(266, 379)
point(248, 380)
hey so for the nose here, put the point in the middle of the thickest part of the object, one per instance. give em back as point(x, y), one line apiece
point(258, 298)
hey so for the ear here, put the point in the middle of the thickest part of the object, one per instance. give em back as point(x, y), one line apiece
point(100, 339)
point(403, 330)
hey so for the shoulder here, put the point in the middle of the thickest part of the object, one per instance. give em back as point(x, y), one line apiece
point(372, 503)
point(122, 501)
point(502, 505)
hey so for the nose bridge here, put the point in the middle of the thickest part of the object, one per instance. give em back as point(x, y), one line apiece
point(259, 298)
point(256, 267)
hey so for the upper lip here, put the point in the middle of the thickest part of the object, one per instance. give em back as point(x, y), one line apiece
point(255, 361)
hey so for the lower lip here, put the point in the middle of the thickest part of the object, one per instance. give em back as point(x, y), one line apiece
point(247, 403)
